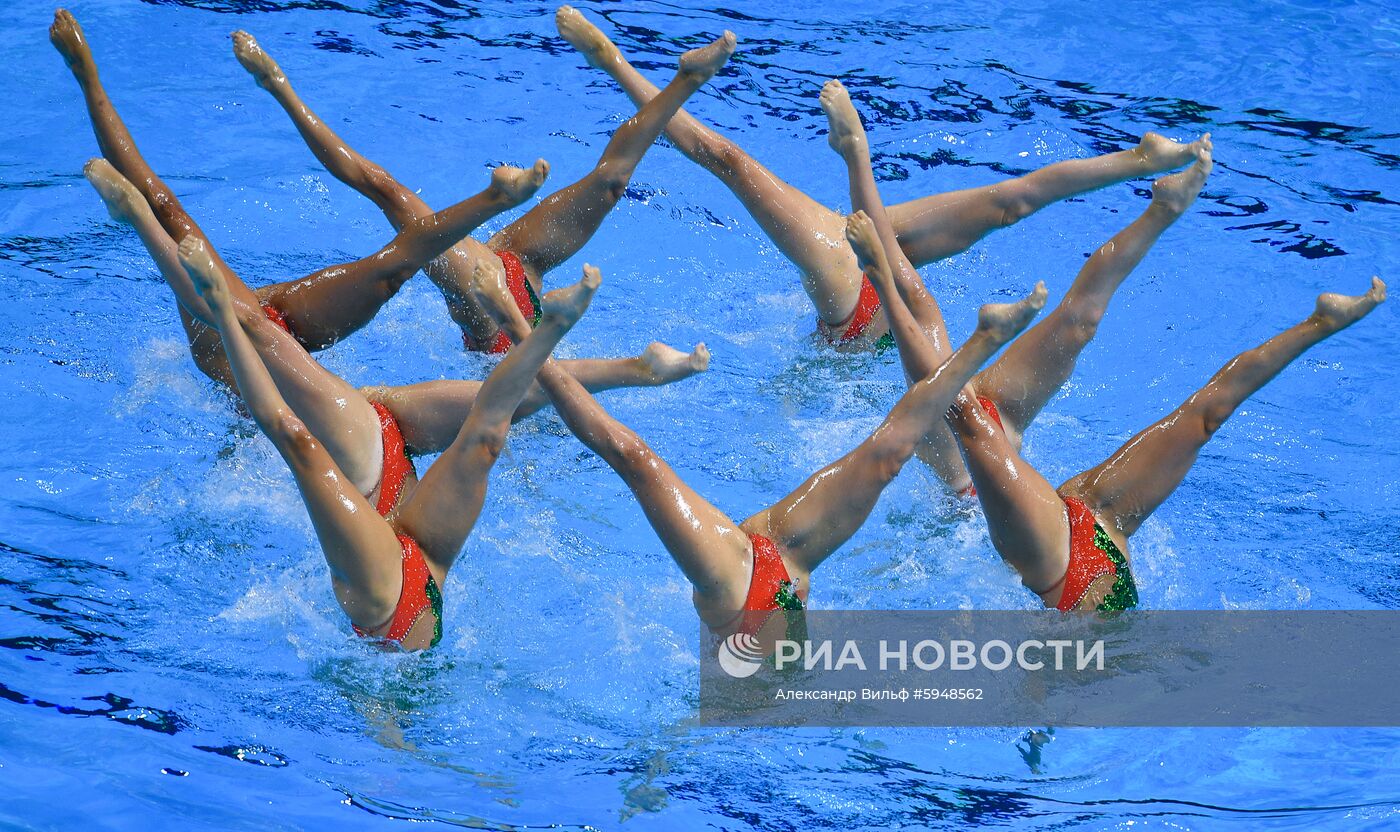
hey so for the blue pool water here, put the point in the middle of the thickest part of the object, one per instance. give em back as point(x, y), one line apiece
point(173, 656)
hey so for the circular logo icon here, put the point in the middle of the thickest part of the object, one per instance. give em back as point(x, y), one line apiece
point(740, 655)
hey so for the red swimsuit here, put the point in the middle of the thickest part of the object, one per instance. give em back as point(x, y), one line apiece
point(525, 298)
point(420, 591)
point(1093, 554)
point(397, 465)
point(866, 307)
point(768, 586)
point(419, 595)
point(991, 408)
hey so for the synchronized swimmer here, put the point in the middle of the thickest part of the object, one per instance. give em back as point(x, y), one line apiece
point(389, 538)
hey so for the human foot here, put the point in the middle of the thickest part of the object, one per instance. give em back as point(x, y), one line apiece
point(1159, 153)
point(1337, 312)
point(1175, 193)
point(585, 37)
point(847, 134)
point(865, 242)
point(67, 37)
point(207, 278)
point(488, 288)
point(701, 64)
point(563, 307)
point(121, 197)
point(665, 364)
point(514, 185)
point(1002, 321)
point(258, 63)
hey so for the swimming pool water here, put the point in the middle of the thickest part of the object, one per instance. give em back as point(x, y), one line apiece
point(173, 656)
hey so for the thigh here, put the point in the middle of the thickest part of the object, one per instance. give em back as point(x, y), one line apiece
point(430, 413)
point(359, 545)
point(711, 549)
point(1127, 487)
point(823, 512)
point(1025, 515)
point(941, 225)
point(810, 235)
point(332, 409)
point(559, 225)
point(443, 508)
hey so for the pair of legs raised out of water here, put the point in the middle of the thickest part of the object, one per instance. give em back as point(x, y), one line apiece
point(331, 433)
point(1032, 524)
point(324, 307)
point(929, 229)
point(1041, 530)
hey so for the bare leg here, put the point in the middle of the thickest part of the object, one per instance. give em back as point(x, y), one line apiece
point(116, 142)
point(942, 225)
point(358, 544)
point(331, 407)
point(321, 307)
point(847, 137)
point(431, 413)
point(444, 507)
point(707, 545)
point(1038, 363)
point(939, 450)
point(451, 272)
point(324, 307)
point(120, 150)
point(559, 226)
point(126, 204)
point(920, 335)
point(807, 232)
point(1025, 517)
point(1127, 487)
point(816, 519)
point(398, 203)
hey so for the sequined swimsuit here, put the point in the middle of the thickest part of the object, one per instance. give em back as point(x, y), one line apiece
point(419, 596)
point(770, 589)
point(525, 298)
point(867, 306)
point(1093, 554)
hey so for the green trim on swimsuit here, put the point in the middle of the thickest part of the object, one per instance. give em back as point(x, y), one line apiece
point(1124, 595)
point(786, 596)
point(534, 304)
point(435, 599)
point(884, 342)
point(790, 607)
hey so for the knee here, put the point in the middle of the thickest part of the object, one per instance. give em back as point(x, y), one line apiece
point(488, 443)
point(1014, 205)
point(886, 463)
point(390, 283)
point(1082, 320)
point(1212, 416)
point(723, 154)
point(612, 182)
point(374, 177)
point(292, 435)
point(629, 453)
